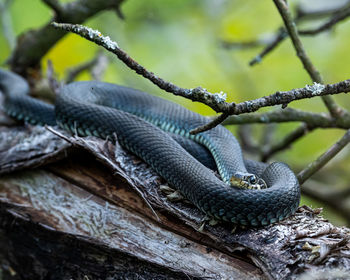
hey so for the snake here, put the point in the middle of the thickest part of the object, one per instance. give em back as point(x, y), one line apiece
point(158, 131)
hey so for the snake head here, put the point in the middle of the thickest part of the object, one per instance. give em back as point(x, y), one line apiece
point(247, 181)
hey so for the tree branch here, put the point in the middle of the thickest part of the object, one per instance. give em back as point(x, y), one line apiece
point(34, 44)
point(214, 100)
point(324, 158)
point(242, 45)
point(329, 196)
point(317, 13)
point(338, 17)
point(316, 120)
point(100, 67)
point(301, 53)
point(334, 198)
point(246, 139)
point(267, 137)
point(97, 61)
point(285, 97)
point(286, 142)
point(216, 121)
point(290, 25)
point(288, 115)
point(281, 34)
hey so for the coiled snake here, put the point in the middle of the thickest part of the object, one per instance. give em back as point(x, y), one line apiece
point(144, 125)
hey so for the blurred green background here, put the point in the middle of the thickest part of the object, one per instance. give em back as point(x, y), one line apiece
point(180, 41)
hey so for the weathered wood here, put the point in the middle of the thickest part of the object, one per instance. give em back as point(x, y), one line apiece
point(47, 221)
point(27, 146)
point(35, 147)
point(165, 237)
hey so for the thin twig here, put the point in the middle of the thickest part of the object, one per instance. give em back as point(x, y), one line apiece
point(338, 17)
point(281, 34)
point(89, 65)
point(285, 97)
point(324, 158)
point(328, 196)
point(318, 13)
point(246, 139)
point(241, 45)
point(74, 72)
point(321, 120)
point(286, 142)
point(315, 75)
point(298, 45)
point(216, 121)
point(100, 67)
point(267, 136)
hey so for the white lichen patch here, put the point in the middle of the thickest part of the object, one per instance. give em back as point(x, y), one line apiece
point(220, 96)
point(105, 39)
point(315, 89)
point(204, 94)
point(109, 43)
point(92, 32)
point(95, 35)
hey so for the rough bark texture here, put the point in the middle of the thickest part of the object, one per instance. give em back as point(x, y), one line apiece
point(78, 219)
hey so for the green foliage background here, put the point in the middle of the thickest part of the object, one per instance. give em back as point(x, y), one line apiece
point(179, 41)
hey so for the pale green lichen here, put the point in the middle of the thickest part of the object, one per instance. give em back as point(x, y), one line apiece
point(89, 33)
point(220, 96)
point(97, 34)
point(203, 94)
point(315, 89)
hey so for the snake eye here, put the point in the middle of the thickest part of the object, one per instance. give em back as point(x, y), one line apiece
point(252, 179)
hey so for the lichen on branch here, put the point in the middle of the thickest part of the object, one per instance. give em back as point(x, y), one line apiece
point(216, 101)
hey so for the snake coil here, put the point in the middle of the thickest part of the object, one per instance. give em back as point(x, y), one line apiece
point(144, 125)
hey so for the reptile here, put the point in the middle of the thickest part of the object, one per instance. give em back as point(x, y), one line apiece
point(158, 131)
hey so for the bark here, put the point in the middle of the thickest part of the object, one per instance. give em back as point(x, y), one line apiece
point(77, 219)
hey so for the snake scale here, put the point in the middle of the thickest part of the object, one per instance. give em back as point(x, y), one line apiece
point(147, 126)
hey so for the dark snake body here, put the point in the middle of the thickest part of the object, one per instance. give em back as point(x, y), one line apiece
point(102, 109)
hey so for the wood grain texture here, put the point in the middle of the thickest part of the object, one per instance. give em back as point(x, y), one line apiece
point(33, 201)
